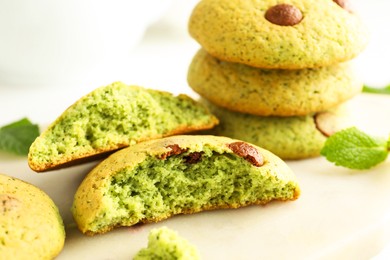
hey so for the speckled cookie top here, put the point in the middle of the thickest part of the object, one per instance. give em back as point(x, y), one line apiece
point(290, 34)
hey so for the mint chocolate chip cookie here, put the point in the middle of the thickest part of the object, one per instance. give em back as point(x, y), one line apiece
point(266, 92)
point(289, 34)
point(294, 137)
point(156, 179)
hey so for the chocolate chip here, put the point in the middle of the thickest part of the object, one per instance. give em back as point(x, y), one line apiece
point(175, 150)
point(284, 15)
point(194, 157)
point(8, 203)
point(326, 123)
point(345, 4)
point(247, 152)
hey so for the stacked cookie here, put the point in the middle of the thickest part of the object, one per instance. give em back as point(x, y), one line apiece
point(275, 73)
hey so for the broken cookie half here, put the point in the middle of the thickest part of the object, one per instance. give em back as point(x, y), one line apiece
point(157, 179)
point(113, 117)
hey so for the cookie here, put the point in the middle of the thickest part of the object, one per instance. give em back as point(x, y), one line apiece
point(30, 224)
point(295, 137)
point(113, 117)
point(289, 34)
point(265, 92)
point(164, 243)
point(156, 179)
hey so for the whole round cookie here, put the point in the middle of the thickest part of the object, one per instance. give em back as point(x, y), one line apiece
point(295, 137)
point(266, 92)
point(289, 34)
point(31, 227)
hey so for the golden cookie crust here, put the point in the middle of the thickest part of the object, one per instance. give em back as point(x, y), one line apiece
point(238, 31)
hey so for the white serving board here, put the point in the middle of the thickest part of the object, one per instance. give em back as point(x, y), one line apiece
point(341, 214)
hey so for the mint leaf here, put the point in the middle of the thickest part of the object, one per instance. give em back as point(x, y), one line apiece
point(355, 149)
point(384, 90)
point(18, 136)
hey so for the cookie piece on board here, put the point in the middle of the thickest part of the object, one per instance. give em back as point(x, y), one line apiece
point(113, 117)
point(265, 92)
point(295, 137)
point(30, 224)
point(156, 179)
point(165, 243)
point(289, 34)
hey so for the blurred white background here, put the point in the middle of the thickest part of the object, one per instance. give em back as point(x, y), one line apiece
point(143, 42)
point(156, 58)
point(86, 42)
point(373, 62)
point(47, 42)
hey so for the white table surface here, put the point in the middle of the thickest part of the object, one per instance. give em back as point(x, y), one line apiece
point(342, 214)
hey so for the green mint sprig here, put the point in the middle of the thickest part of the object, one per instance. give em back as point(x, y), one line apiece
point(384, 90)
point(18, 136)
point(355, 149)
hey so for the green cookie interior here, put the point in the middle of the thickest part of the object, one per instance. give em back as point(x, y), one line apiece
point(189, 182)
point(113, 117)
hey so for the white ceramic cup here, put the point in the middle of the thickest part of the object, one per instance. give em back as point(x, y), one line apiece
point(45, 42)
